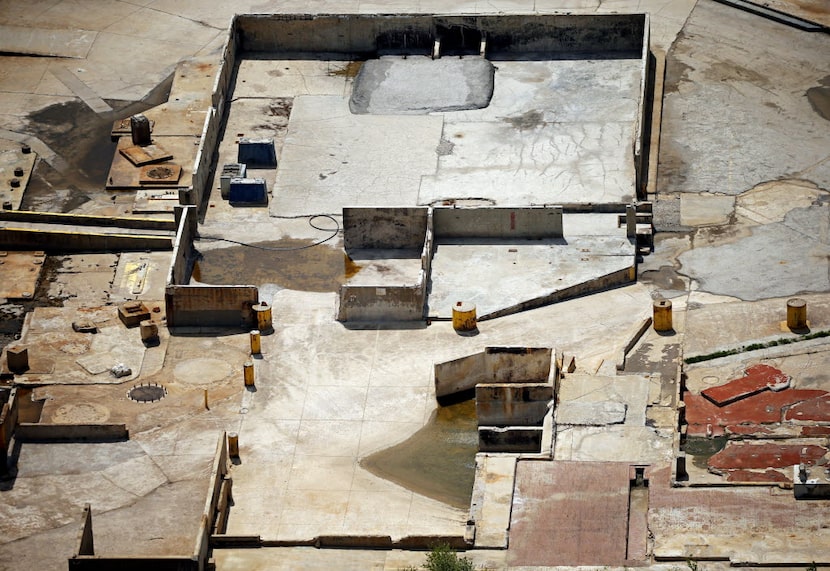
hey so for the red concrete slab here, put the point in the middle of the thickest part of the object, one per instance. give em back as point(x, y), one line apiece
point(738, 456)
point(569, 513)
point(762, 408)
point(757, 378)
point(813, 410)
point(761, 477)
point(820, 431)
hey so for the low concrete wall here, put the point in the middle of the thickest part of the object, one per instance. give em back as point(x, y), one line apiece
point(526, 223)
point(36, 432)
point(379, 304)
point(186, 229)
point(202, 305)
point(369, 34)
point(218, 473)
point(512, 404)
point(65, 241)
point(518, 364)
point(384, 228)
point(210, 306)
point(8, 422)
point(608, 281)
point(494, 365)
point(509, 439)
point(459, 375)
point(87, 220)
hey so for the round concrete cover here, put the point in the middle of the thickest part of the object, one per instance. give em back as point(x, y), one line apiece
point(418, 85)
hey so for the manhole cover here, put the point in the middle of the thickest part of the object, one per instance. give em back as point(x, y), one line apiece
point(160, 172)
point(147, 393)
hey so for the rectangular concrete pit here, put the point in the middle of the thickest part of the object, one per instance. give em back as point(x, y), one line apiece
point(514, 404)
point(509, 439)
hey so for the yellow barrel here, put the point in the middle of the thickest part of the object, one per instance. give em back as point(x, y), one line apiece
point(248, 373)
point(464, 316)
point(796, 313)
point(263, 316)
point(662, 315)
point(256, 342)
point(233, 444)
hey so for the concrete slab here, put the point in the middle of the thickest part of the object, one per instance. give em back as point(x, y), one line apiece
point(262, 76)
point(748, 525)
point(757, 378)
point(713, 142)
point(613, 443)
point(529, 271)
point(141, 276)
point(333, 159)
point(492, 500)
point(19, 274)
point(70, 43)
point(15, 171)
point(703, 209)
point(417, 85)
point(569, 513)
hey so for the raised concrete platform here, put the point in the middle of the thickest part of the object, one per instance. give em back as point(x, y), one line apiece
point(506, 277)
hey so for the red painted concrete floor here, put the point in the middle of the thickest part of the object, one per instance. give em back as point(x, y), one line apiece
point(747, 408)
point(569, 513)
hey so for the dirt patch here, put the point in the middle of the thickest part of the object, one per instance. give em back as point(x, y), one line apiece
point(526, 121)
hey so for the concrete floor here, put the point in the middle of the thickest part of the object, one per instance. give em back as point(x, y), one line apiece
point(743, 178)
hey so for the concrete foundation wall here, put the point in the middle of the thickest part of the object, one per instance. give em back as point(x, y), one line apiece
point(494, 365)
point(614, 279)
point(87, 220)
point(384, 228)
point(370, 34)
point(512, 404)
point(36, 432)
point(498, 222)
point(370, 303)
point(459, 375)
point(186, 229)
point(219, 471)
point(62, 241)
point(8, 422)
point(518, 364)
point(210, 306)
point(509, 439)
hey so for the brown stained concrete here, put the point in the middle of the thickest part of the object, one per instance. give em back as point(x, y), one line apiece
point(19, 274)
point(762, 526)
point(569, 514)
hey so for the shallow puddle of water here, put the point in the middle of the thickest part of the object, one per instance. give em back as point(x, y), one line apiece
point(439, 460)
point(701, 449)
point(298, 267)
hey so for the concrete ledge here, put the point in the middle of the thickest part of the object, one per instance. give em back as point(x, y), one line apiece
point(66, 241)
point(36, 432)
point(88, 220)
